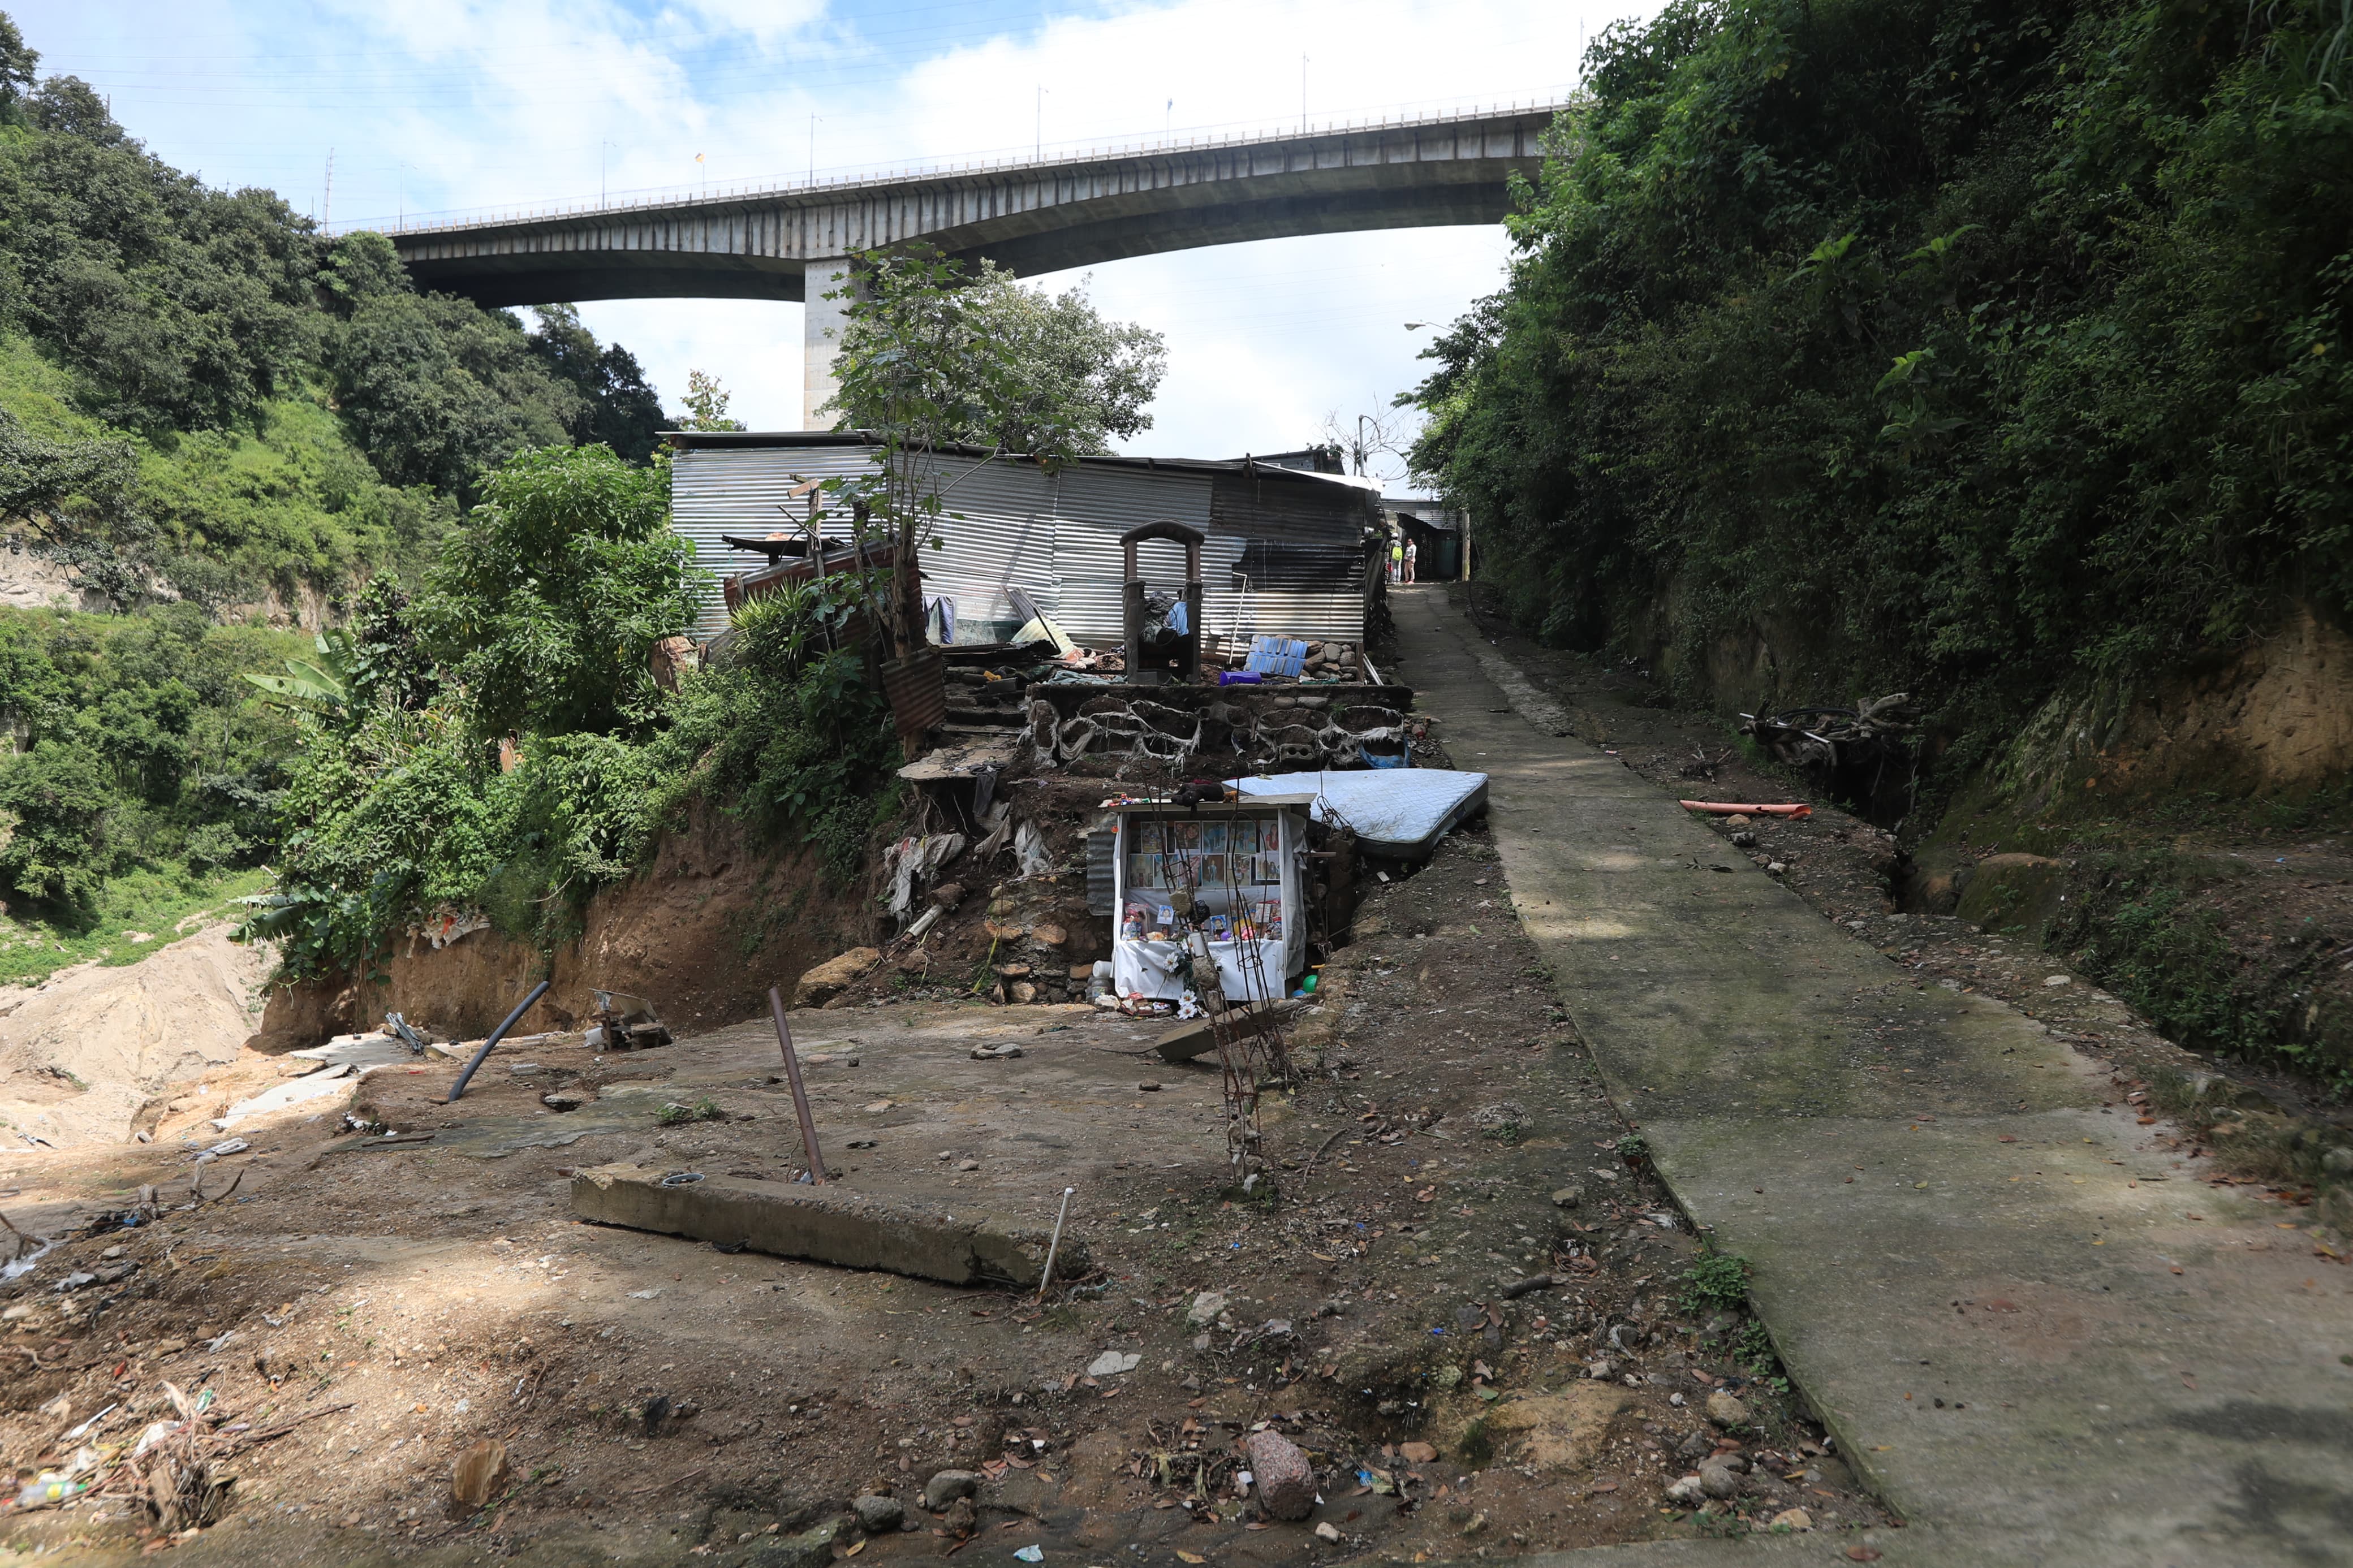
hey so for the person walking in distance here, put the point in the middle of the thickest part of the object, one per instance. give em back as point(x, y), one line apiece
point(1396, 560)
point(1410, 553)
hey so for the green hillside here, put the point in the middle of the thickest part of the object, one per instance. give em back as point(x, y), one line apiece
point(224, 423)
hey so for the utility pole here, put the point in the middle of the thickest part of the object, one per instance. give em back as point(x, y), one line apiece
point(812, 175)
point(1302, 95)
point(604, 151)
point(1038, 155)
point(327, 197)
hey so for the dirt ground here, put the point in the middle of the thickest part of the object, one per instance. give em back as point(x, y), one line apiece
point(363, 1310)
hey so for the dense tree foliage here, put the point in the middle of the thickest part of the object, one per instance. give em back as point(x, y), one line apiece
point(1951, 344)
point(208, 409)
point(139, 746)
point(545, 606)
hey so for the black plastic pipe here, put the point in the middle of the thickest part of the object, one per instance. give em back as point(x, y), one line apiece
point(497, 1035)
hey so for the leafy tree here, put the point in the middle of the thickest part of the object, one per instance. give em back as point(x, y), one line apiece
point(65, 843)
point(706, 404)
point(989, 363)
point(17, 64)
point(620, 408)
point(545, 606)
point(437, 389)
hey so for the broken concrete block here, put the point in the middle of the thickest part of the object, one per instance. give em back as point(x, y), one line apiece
point(831, 979)
point(829, 1223)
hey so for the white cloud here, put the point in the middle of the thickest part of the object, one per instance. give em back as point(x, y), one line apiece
point(459, 104)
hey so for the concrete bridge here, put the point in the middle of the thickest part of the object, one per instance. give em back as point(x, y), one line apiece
point(1028, 217)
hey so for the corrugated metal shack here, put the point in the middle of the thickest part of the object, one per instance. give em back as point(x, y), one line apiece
point(1289, 552)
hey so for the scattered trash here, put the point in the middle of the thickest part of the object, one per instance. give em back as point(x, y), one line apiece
point(624, 1023)
point(911, 860)
point(681, 1178)
point(1029, 855)
point(1824, 739)
point(223, 1148)
point(1032, 1553)
point(1718, 808)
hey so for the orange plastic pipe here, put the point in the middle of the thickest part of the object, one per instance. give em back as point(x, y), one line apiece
point(1719, 808)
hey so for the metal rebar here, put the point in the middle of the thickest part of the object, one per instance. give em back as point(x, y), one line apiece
point(1055, 1246)
point(458, 1088)
point(800, 1095)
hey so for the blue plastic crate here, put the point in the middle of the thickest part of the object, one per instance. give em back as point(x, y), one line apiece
point(1276, 656)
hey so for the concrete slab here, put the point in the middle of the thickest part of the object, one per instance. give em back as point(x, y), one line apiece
point(2037, 1335)
point(831, 1224)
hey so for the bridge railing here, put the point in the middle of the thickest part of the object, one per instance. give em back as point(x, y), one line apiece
point(476, 218)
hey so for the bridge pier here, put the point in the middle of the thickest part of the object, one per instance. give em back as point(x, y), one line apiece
point(822, 321)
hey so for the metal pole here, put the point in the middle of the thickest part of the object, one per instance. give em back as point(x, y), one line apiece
point(1056, 1244)
point(800, 1095)
point(497, 1035)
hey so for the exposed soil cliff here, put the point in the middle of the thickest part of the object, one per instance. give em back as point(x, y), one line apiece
point(703, 932)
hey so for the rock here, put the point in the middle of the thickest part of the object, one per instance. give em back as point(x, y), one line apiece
point(998, 1053)
point(1049, 935)
point(1567, 1198)
point(564, 1100)
point(1743, 840)
point(1719, 1481)
point(1777, 869)
point(946, 1486)
point(1328, 1531)
point(2047, 980)
point(1418, 1453)
point(829, 980)
point(1726, 1411)
point(1111, 1363)
point(1205, 1308)
point(948, 895)
point(878, 1515)
point(1793, 1519)
point(810, 1549)
point(480, 1475)
point(962, 1519)
point(1688, 1492)
point(1023, 993)
point(1284, 1479)
point(1738, 819)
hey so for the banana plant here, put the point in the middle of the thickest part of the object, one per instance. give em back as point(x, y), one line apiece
point(320, 687)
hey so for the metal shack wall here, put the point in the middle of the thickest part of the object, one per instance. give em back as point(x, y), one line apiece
point(739, 490)
point(1056, 536)
point(1096, 506)
point(997, 532)
point(1300, 542)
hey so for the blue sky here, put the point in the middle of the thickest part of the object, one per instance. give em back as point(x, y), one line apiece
point(452, 106)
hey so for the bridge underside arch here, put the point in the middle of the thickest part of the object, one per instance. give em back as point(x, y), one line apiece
point(1046, 239)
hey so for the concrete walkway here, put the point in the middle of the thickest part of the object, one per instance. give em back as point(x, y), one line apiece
point(2039, 1336)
